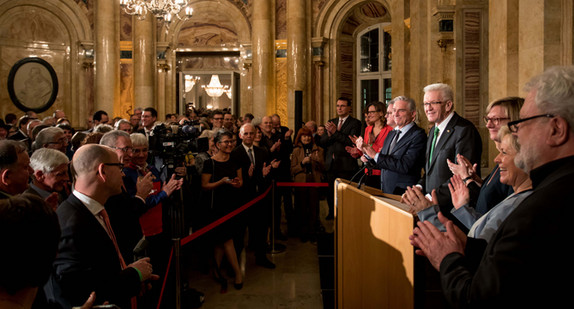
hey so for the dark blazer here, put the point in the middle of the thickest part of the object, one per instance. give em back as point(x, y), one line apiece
point(403, 166)
point(523, 265)
point(124, 211)
point(257, 183)
point(87, 261)
point(459, 137)
point(334, 145)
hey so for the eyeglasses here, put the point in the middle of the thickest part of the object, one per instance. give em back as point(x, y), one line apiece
point(372, 112)
point(139, 150)
point(60, 141)
point(124, 149)
point(218, 118)
point(120, 165)
point(227, 142)
point(495, 120)
point(427, 104)
point(513, 125)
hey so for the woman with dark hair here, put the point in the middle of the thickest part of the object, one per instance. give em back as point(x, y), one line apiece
point(375, 134)
point(221, 179)
point(307, 163)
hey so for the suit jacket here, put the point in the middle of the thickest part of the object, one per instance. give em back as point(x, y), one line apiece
point(402, 167)
point(522, 265)
point(335, 144)
point(459, 137)
point(87, 261)
point(125, 211)
point(256, 183)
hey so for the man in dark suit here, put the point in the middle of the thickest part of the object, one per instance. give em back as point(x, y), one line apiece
point(124, 209)
point(15, 168)
point(88, 257)
point(522, 265)
point(403, 154)
point(450, 135)
point(338, 162)
point(255, 168)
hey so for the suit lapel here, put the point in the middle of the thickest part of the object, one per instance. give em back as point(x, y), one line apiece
point(444, 137)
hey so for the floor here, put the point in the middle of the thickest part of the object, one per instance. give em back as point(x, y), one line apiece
point(303, 277)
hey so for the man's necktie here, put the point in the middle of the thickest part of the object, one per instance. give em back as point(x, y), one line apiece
point(436, 130)
point(250, 153)
point(104, 216)
point(394, 141)
point(340, 125)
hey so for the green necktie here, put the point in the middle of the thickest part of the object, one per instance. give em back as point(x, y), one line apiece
point(435, 135)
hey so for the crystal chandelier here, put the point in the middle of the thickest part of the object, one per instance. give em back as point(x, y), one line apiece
point(163, 10)
point(215, 89)
point(190, 81)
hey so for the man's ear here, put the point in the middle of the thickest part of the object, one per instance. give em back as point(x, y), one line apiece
point(449, 106)
point(39, 175)
point(560, 131)
point(4, 176)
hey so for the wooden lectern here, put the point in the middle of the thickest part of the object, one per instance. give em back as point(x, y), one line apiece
point(374, 260)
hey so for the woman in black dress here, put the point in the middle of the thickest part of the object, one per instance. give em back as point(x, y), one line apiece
point(221, 179)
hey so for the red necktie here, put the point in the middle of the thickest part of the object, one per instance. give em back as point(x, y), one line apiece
point(104, 215)
point(340, 125)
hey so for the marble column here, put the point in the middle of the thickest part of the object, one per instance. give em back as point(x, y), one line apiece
point(107, 56)
point(538, 40)
point(144, 61)
point(263, 50)
point(297, 51)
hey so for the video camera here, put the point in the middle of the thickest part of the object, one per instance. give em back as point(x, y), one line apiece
point(174, 143)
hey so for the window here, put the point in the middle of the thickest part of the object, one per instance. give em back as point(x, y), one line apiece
point(374, 65)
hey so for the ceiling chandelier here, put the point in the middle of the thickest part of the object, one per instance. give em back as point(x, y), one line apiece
point(215, 89)
point(190, 81)
point(163, 10)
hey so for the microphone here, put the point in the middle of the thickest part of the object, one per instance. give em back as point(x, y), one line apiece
point(362, 168)
point(361, 181)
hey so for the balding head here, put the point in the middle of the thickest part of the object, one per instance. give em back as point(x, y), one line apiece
point(88, 157)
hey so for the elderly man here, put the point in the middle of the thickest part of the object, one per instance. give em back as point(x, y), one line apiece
point(450, 136)
point(51, 137)
point(522, 265)
point(403, 154)
point(50, 175)
point(255, 166)
point(15, 168)
point(88, 257)
point(125, 209)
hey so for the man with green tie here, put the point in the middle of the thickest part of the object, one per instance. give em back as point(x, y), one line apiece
point(450, 135)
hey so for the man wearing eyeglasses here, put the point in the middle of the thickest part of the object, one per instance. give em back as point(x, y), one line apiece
point(450, 135)
point(523, 265)
point(88, 257)
point(124, 209)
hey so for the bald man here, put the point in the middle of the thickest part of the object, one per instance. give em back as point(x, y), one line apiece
point(88, 258)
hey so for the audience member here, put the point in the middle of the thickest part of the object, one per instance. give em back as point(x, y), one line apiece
point(481, 226)
point(402, 156)
point(307, 164)
point(484, 194)
point(124, 125)
point(521, 265)
point(255, 168)
point(51, 137)
point(376, 133)
point(222, 178)
point(50, 178)
point(125, 209)
point(88, 257)
point(29, 234)
point(338, 163)
point(15, 168)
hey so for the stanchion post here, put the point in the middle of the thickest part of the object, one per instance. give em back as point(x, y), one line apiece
point(177, 270)
point(274, 247)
